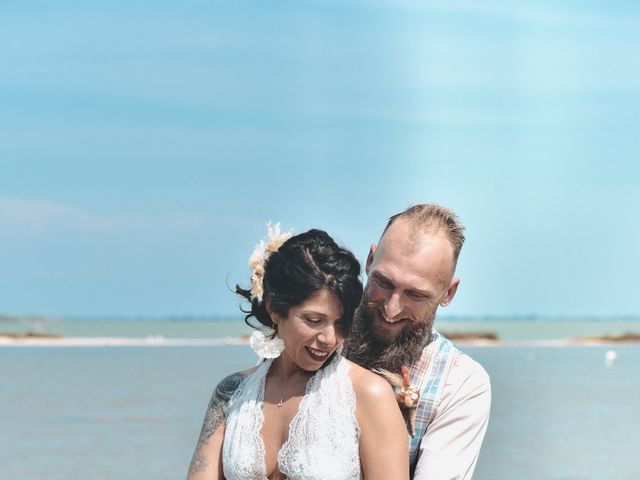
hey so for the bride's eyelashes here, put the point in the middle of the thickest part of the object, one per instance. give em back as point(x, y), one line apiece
point(312, 321)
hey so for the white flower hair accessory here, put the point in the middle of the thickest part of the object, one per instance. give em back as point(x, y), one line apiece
point(259, 257)
point(264, 347)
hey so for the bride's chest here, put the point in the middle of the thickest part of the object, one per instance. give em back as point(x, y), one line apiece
point(275, 432)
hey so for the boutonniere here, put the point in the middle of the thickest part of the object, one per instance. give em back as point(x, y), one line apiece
point(407, 395)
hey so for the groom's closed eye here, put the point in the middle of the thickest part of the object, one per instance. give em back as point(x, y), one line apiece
point(383, 281)
point(417, 296)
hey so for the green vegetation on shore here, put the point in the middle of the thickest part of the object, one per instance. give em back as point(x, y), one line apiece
point(29, 335)
point(467, 336)
point(627, 337)
point(26, 318)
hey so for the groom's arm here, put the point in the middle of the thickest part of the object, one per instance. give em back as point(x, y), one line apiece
point(207, 458)
point(449, 449)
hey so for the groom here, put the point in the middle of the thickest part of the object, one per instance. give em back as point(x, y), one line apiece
point(410, 273)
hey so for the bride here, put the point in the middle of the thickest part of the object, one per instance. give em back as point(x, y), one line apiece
point(305, 412)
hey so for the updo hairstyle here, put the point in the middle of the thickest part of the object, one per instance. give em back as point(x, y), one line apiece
point(302, 266)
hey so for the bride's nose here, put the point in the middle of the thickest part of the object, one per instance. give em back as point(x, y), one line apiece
point(328, 336)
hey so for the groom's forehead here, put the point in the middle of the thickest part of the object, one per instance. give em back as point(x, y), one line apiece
point(403, 239)
point(414, 257)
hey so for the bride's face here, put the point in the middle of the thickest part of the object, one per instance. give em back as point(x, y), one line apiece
point(312, 331)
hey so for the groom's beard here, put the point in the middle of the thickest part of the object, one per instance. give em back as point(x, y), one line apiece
point(366, 348)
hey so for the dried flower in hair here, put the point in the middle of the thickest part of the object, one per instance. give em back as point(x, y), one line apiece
point(275, 239)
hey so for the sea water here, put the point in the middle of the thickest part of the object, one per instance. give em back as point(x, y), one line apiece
point(135, 412)
point(504, 328)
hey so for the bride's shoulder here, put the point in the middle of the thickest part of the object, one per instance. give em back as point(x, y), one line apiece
point(368, 385)
point(229, 384)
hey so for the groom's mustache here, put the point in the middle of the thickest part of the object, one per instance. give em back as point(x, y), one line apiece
point(372, 308)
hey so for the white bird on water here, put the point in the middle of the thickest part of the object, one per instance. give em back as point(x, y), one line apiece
point(610, 358)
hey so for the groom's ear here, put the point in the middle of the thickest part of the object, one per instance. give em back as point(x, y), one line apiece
point(372, 250)
point(451, 291)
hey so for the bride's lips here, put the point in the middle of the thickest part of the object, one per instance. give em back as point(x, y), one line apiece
point(317, 355)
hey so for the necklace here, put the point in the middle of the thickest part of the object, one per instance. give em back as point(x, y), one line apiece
point(281, 402)
point(281, 384)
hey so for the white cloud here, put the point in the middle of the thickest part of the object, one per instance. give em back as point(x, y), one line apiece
point(515, 12)
point(34, 218)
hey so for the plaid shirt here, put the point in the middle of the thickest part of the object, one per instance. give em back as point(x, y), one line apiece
point(429, 374)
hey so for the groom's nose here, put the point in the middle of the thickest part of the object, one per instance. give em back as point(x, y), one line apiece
point(392, 306)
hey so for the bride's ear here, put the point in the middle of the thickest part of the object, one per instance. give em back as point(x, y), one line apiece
point(273, 315)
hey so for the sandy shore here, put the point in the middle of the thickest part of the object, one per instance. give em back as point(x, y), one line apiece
point(152, 341)
point(159, 341)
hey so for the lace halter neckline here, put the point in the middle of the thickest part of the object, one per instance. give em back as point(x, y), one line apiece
point(323, 435)
point(283, 447)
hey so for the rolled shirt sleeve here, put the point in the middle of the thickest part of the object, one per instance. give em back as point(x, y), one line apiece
point(449, 449)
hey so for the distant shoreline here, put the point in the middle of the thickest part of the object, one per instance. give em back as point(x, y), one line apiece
point(233, 317)
point(464, 340)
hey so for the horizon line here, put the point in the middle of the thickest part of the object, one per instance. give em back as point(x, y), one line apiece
point(4, 317)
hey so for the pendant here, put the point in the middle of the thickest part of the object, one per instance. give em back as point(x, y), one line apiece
point(280, 402)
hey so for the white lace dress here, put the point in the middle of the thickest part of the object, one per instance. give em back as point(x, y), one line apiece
point(323, 441)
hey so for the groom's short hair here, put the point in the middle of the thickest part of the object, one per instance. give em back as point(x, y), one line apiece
point(431, 217)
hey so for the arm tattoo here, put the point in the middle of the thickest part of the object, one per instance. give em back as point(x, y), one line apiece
point(216, 411)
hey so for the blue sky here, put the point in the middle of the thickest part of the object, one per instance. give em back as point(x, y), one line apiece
point(144, 146)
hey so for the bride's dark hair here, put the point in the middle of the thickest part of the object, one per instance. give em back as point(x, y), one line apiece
point(302, 266)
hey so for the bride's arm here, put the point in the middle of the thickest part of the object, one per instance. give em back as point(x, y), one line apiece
point(384, 443)
point(207, 458)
